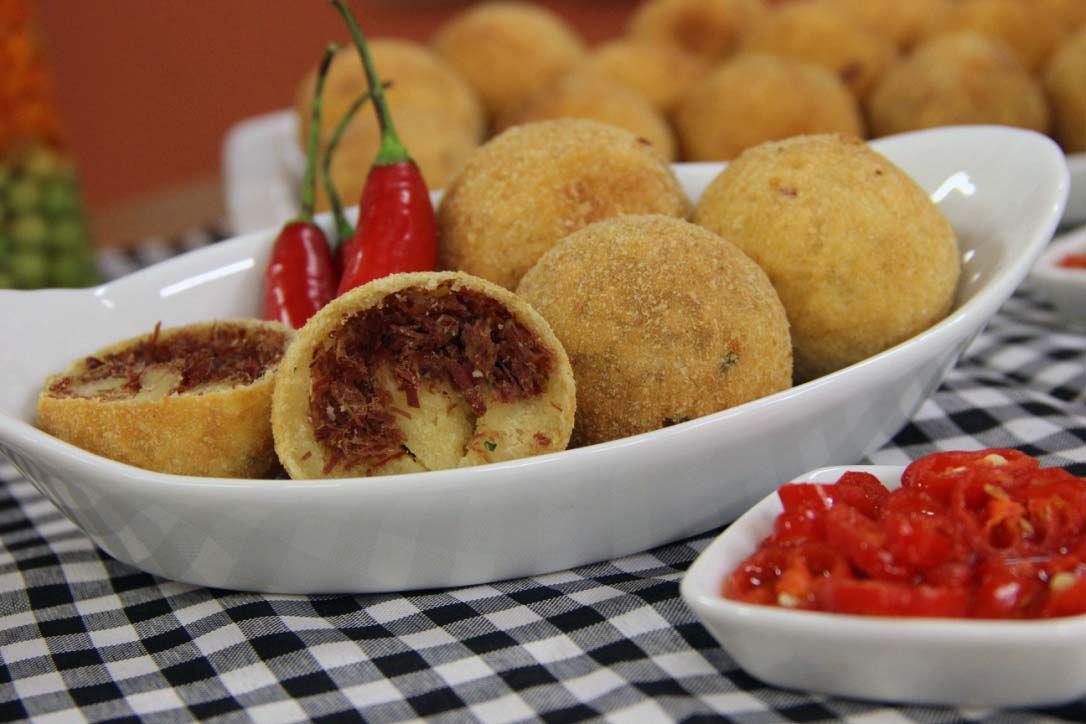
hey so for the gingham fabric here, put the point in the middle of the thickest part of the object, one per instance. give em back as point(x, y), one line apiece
point(84, 637)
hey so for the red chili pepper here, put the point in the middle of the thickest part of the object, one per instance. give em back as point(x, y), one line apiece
point(301, 274)
point(396, 230)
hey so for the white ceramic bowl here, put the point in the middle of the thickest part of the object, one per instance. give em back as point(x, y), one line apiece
point(1075, 213)
point(922, 661)
point(1002, 189)
point(1065, 288)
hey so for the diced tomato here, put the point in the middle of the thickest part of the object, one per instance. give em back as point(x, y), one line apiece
point(863, 542)
point(803, 525)
point(863, 491)
point(1008, 591)
point(916, 540)
point(798, 496)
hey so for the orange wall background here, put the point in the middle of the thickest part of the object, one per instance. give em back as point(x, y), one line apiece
point(148, 88)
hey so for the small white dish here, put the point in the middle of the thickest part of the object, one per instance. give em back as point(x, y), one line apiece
point(954, 662)
point(1002, 189)
point(1065, 288)
point(1075, 213)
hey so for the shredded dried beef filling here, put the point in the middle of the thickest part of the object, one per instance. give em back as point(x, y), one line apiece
point(461, 337)
point(222, 354)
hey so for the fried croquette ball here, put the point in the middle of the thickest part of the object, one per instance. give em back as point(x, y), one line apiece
point(1065, 81)
point(420, 79)
point(861, 257)
point(755, 98)
point(191, 400)
point(421, 371)
point(440, 149)
point(709, 28)
point(957, 79)
point(661, 73)
point(663, 322)
point(508, 50)
point(1030, 32)
point(900, 21)
point(1070, 14)
point(585, 95)
point(533, 184)
point(822, 33)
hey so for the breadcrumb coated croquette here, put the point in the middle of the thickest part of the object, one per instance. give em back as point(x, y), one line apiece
point(754, 98)
point(902, 21)
point(586, 95)
point(419, 79)
point(1025, 26)
point(957, 79)
point(1065, 81)
point(1070, 14)
point(709, 28)
point(663, 322)
point(508, 50)
point(822, 33)
point(661, 73)
point(533, 184)
point(861, 257)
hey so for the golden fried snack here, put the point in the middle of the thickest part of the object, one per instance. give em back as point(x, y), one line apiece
point(192, 400)
point(663, 322)
point(439, 148)
point(420, 80)
point(1069, 14)
point(508, 51)
point(957, 79)
point(421, 371)
point(1030, 32)
point(861, 257)
point(901, 22)
point(712, 29)
point(754, 98)
point(823, 33)
point(586, 95)
point(661, 73)
point(530, 186)
point(1065, 81)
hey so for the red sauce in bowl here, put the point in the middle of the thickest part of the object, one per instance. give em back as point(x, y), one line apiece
point(985, 534)
point(1073, 261)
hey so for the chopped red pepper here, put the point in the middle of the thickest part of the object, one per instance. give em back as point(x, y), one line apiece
point(396, 229)
point(1073, 261)
point(985, 534)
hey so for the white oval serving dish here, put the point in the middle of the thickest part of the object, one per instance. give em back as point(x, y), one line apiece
point(956, 662)
point(1002, 189)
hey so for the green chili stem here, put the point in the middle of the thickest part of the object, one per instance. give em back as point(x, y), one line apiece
point(309, 181)
point(391, 150)
point(343, 227)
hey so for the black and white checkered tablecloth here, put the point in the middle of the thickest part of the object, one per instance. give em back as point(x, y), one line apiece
point(85, 637)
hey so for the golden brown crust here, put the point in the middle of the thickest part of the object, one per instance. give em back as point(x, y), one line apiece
point(587, 95)
point(224, 431)
point(755, 98)
point(901, 22)
point(527, 188)
point(824, 34)
point(661, 73)
point(957, 79)
point(505, 431)
point(1065, 81)
point(861, 257)
point(1026, 27)
point(508, 50)
point(663, 321)
point(711, 29)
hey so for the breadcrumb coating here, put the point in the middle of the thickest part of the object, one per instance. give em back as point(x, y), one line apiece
point(663, 322)
point(533, 184)
point(861, 257)
point(957, 79)
point(1030, 31)
point(711, 29)
point(754, 98)
point(822, 33)
point(901, 21)
point(661, 73)
point(1065, 81)
point(508, 50)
